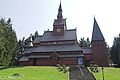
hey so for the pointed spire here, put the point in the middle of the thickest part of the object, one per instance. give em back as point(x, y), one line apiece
point(60, 8)
point(59, 16)
point(97, 34)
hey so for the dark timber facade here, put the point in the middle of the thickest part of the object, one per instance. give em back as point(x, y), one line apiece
point(60, 46)
point(54, 47)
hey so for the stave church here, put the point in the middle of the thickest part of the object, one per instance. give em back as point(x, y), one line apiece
point(60, 46)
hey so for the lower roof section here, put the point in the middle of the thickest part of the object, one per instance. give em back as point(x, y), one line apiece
point(58, 48)
point(24, 58)
point(87, 50)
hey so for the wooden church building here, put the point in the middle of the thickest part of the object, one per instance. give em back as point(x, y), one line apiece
point(60, 46)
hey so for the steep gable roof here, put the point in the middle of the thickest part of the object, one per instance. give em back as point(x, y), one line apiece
point(97, 34)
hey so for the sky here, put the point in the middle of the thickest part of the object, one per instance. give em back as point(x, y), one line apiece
point(29, 16)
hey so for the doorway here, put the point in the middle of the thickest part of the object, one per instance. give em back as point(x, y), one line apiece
point(34, 61)
point(80, 61)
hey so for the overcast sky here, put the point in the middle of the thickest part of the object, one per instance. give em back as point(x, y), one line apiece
point(31, 15)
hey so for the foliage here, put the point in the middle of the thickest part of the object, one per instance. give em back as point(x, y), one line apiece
point(62, 68)
point(115, 51)
point(32, 73)
point(8, 42)
point(94, 68)
point(86, 63)
point(84, 43)
point(110, 73)
point(36, 34)
point(21, 45)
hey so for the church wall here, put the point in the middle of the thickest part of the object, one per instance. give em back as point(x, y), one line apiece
point(47, 61)
point(99, 53)
point(42, 62)
point(87, 56)
point(26, 63)
point(66, 62)
point(69, 61)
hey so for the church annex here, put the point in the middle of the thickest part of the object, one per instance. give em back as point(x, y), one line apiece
point(60, 46)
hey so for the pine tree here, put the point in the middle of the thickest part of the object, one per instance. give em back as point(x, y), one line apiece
point(84, 43)
point(115, 51)
point(8, 42)
point(36, 34)
point(21, 45)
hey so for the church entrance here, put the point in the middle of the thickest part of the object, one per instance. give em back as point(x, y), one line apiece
point(80, 61)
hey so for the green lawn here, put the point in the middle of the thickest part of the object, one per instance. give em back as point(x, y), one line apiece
point(109, 74)
point(32, 73)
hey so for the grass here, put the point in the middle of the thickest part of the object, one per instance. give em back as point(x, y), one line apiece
point(110, 73)
point(32, 73)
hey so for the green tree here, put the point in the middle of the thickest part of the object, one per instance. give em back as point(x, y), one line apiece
point(115, 51)
point(35, 35)
point(2, 48)
point(84, 43)
point(21, 45)
point(8, 42)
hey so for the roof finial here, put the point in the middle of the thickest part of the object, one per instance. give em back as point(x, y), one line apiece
point(59, 16)
point(60, 8)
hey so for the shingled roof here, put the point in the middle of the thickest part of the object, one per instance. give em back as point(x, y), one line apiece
point(49, 36)
point(58, 48)
point(44, 49)
point(97, 34)
point(37, 39)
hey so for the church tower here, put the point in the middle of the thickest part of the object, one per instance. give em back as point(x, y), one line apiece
point(98, 46)
point(59, 25)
